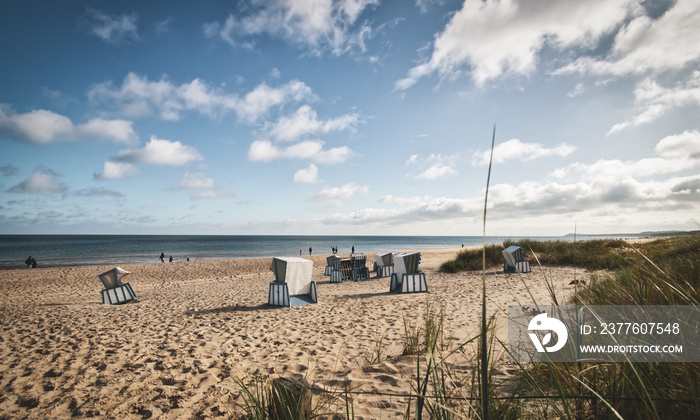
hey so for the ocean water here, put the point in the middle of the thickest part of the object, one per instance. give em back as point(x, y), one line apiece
point(62, 250)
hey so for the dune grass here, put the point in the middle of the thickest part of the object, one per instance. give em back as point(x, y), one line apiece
point(597, 254)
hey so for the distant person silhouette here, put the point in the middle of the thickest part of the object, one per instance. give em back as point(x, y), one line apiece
point(309, 250)
point(162, 257)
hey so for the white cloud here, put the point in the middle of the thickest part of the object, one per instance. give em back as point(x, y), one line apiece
point(161, 152)
point(606, 193)
point(264, 150)
point(116, 170)
point(305, 122)
point(44, 182)
point(500, 38)
point(646, 45)
point(307, 175)
point(337, 195)
point(681, 146)
point(113, 28)
point(117, 130)
point(211, 194)
point(205, 188)
point(438, 166)
point(314, 24)
point(196, 181)
point(140, 97)
point(409, 210)
point(515, 149)
point(675, 153)
point(436, 171)
point(43, 127)
point(577, 90)
point(654, 100)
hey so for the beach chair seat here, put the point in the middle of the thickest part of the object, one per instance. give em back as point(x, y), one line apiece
point(336, 276)
point(293, 285)
point(408, 283)
point(279, 295)
point(116, 292)
point(385, 270)
point(514, 262)
point(360, 273)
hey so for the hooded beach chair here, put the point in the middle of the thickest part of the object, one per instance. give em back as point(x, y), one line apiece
point(342, 270)
point(514, 262)
point(359, 267)
point(115, 291)
point(293, 285)
point(406, 277)
point(330, 264)
point(384, 264)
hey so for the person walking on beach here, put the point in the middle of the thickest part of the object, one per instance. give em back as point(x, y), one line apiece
point(171, 258)
point(28, 261)
point(34, 264)
point(353, 249)
point(309, 250)
point(162, 257)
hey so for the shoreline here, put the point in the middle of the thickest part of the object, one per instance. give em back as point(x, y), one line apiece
point(198, 327)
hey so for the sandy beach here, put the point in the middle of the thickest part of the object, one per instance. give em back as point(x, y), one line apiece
point(198, 327)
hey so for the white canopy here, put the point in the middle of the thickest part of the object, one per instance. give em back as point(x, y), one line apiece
point(406, 262)
point(295, 271)
point(384, 259)
point(113, 277)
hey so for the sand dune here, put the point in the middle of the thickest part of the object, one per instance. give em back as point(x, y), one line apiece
point(199, 326)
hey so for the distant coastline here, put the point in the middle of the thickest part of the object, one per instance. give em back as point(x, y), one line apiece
point(646, 234)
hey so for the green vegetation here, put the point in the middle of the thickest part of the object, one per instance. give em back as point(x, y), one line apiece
point(662, 272)
point(599, 254)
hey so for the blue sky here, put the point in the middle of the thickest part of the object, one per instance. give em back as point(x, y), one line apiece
point(349, 117)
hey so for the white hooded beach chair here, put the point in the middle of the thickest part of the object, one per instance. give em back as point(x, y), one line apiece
point(293, 285)
point(384, 264)
point(514, 262)
point(406, 277)
point(115, 291)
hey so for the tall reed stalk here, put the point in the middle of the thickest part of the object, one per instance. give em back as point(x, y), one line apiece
point(484, 354)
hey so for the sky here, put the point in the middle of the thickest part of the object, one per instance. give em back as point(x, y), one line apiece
point(349, 117)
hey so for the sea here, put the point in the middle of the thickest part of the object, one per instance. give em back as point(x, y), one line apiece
point(70, 250)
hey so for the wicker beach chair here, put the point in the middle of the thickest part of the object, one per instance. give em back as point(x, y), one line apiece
point(359, 267)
